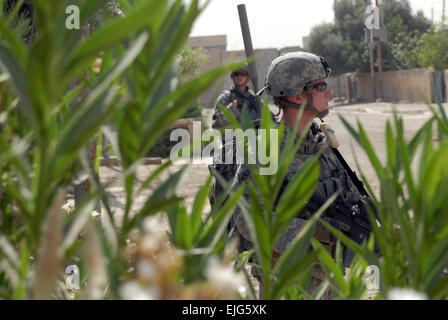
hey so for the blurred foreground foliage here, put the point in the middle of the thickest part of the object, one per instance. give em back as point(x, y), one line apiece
point(58, 92)
point(62, 89)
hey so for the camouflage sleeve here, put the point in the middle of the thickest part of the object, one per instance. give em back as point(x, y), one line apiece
point(242, 177)
point(334, 178)
point(287, 237)
point(219, 119)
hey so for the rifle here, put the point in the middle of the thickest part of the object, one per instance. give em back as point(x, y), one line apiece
point(352, 221)
point(358, 183)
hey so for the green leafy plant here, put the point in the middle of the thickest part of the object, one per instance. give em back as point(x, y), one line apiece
point(53, 105)
point(412, 236)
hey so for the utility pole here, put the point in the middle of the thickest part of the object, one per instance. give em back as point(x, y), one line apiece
point(380, 67)
point(443, 14)
point(372, 69)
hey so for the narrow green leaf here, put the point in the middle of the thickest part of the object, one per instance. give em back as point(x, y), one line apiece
point(12, 66)
point(13, 40)
point(297, 193)
point(291, 275)
point(156, 173)
point(183, 229)
point(369, 256)
point(214, 230)
point(286, 270)
point(328, 261)
point(113, 32)
point(198, 206)
point(175, 104)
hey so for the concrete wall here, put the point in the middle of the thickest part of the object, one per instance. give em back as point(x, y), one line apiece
point(398, 85)
point(227, 57)
point(364, 86)
point(215, 47)
point(338, 85)
point(263, 58)
point(446, 85)
point(208, 41)
point(439, 82)
point(290, 49)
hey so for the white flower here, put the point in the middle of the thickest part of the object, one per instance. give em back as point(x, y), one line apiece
point(95, 214)
point(96, 65)
point(406, 294)
point(146, 269)
point(133, 291)
point(224, 279)
point(153, 225)
point(68, 208)
point(150, 243)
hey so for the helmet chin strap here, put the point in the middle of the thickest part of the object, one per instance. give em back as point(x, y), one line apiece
point(309, 106)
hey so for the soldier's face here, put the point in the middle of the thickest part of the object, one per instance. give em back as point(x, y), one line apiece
point(240, 80)
point(320, 98)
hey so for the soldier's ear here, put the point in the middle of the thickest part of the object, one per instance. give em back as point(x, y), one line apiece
point(297, 99)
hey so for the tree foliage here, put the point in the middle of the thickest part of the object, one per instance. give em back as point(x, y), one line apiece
point(435, 49)
point(190, 62)
point(343, 41)
point(53, 104)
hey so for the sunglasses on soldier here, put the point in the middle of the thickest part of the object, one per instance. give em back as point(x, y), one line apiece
point(320, 86)
point(239, 73)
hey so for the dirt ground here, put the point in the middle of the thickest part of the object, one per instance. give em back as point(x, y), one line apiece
point(372, 116)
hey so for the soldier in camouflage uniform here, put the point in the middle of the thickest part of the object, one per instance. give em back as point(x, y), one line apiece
point(298, 80)
point(238, 97)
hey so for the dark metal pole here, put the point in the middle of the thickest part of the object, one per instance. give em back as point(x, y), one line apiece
point(248, 44)
point(380, 66)
point(372, 70)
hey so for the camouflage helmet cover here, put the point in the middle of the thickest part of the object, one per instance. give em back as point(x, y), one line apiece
point(288, 73)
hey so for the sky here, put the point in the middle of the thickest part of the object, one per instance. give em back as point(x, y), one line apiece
point(279, 23)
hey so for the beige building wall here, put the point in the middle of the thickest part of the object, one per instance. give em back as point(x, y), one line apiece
point(231, 56)
point(446, 85)
point(214, 47)
point(263, 58)
point(290, 49)
point(338, 85)
point(305, 42)
point(398, 85)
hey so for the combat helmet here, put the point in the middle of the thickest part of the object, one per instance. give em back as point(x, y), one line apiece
point(244, 67)
point(290, 73)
